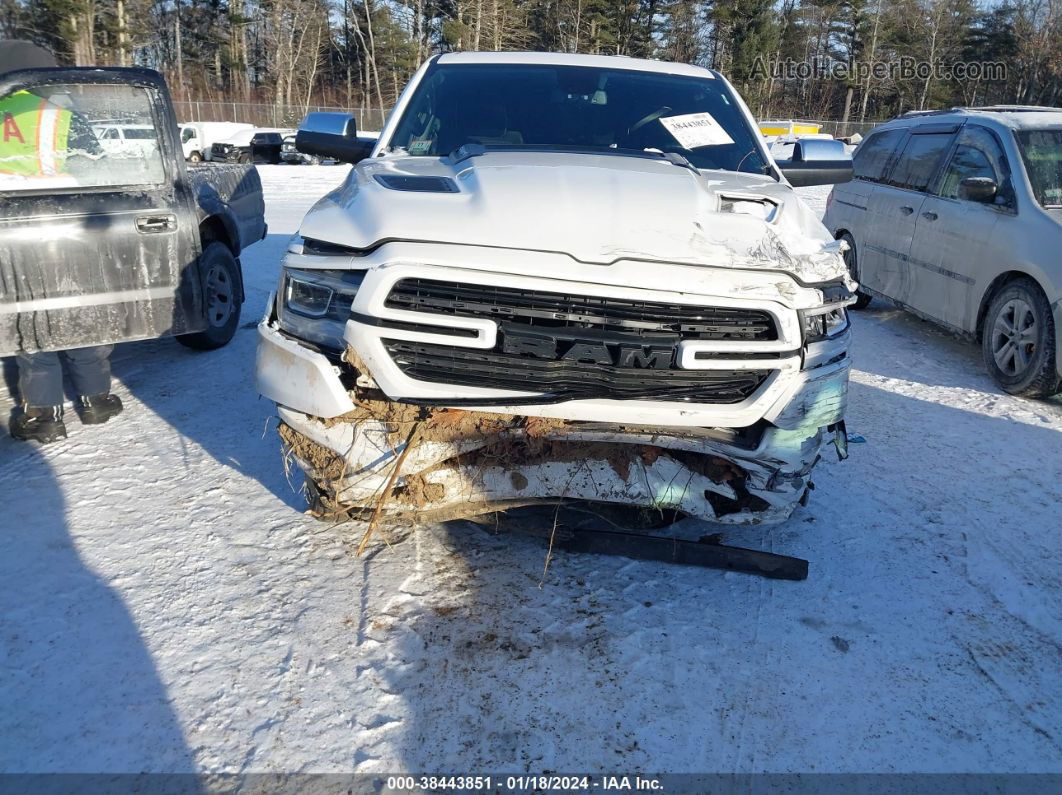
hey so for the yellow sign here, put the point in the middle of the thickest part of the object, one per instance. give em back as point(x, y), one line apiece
point(788, 128)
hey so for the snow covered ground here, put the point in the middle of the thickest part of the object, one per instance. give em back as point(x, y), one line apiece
point(166, 606)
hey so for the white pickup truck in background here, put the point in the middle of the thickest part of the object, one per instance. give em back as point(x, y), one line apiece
point(198, 137)
point(561, 277)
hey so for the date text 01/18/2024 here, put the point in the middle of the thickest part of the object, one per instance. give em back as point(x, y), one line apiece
point(523, 783)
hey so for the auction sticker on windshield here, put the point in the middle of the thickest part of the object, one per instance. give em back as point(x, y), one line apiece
point(692, 130)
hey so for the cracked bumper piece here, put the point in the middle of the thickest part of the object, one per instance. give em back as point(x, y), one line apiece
point(467, 462)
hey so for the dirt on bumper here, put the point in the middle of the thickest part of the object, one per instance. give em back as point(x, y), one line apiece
point(454, 463)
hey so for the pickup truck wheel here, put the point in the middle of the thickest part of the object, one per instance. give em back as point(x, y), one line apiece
point(851, 260)
point(220, 274)
point(1018, 342)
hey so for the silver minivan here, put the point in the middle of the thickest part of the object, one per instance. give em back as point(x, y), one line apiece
point(957, 216)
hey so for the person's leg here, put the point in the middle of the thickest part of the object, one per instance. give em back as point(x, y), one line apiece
point(40, 385)
point(90, 370)
point(40, 379)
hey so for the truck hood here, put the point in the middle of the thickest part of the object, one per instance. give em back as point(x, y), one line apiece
point(597, 209)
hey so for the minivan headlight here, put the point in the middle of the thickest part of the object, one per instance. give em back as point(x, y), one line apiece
point(821, 324)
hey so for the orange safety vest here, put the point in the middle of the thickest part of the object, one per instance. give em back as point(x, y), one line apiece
point(33, 136)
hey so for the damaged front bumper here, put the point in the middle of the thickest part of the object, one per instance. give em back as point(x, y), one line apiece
point(744, 463)
point(462, 463)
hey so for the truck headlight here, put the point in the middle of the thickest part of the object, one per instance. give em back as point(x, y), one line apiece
point(307, 298)
point(315, 304)
point(821, 324)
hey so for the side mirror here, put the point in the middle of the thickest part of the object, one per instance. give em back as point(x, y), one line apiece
point(817, 162)
point(331, 135)
point(978, 189)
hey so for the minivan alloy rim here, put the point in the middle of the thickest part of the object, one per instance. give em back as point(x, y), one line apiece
point(1014, 337)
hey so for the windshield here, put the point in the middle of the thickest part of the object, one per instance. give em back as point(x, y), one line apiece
point(1042, 152)
point(573, 107)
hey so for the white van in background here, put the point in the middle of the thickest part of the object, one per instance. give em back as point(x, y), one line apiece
point(119, 138)
point(198, 137)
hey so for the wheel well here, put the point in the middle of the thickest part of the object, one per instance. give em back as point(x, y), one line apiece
point(997, 284)
point(841, 233)
point(213, 228)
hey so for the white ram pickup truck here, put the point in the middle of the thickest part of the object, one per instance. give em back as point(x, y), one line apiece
point(561, 277)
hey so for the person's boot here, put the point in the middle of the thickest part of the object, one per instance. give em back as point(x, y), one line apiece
point(97, 409)
point(42, 424)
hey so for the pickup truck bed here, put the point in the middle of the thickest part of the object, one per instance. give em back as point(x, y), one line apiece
point(230, 194)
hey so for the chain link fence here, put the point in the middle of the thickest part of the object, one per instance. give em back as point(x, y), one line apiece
point(264, 115)
point(289, 116)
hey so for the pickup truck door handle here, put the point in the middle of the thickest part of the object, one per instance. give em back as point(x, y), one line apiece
point(929, 216)
point(907, 210)
point(154, 224)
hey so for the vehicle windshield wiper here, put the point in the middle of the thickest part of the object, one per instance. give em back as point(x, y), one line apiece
point(465, 151)
point(678, 159)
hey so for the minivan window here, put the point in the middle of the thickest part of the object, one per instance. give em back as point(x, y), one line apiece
point(873, 156)
point(1041, 150)
point(976, 155)
point(919, 160)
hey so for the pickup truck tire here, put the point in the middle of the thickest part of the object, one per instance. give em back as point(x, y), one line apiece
point(1018, 342)
point(221, 277)
point(851, 260)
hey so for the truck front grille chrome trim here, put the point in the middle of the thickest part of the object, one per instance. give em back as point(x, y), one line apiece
point(389, 323)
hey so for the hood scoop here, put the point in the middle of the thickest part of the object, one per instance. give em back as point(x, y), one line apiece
point(417, 184)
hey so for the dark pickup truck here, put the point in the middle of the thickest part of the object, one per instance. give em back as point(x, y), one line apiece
point(250, 146)
point(104, 242)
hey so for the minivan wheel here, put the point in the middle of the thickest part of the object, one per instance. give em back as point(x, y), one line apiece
point(852, 262)
point(220, 276)
point(1018, 340)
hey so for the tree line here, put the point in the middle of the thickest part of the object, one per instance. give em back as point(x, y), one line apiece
point(360, 53)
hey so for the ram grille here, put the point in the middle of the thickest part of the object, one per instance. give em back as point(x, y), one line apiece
point(549, 310)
